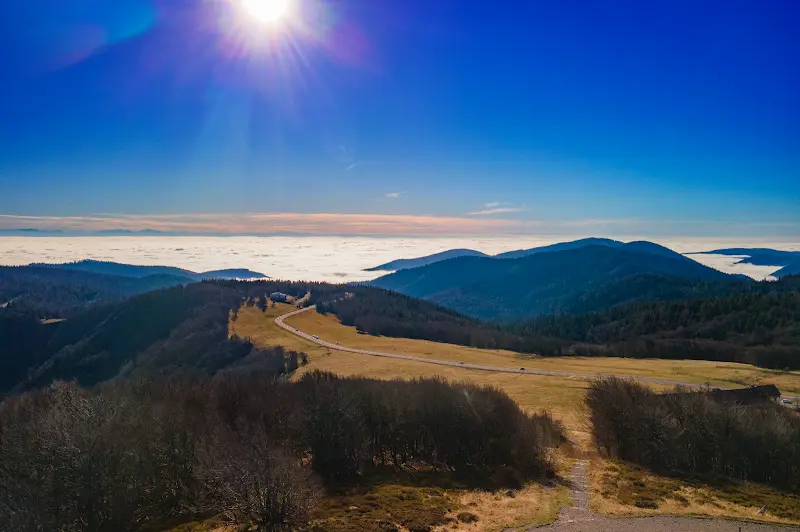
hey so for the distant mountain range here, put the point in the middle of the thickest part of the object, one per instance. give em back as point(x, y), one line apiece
point(61, 292)
point(561, 246)
point(404, 264)
point(788, 260)
point(63, 289)
point(572, 277)
point(130, 270)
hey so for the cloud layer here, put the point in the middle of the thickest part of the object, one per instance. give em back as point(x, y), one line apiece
point(396, 224)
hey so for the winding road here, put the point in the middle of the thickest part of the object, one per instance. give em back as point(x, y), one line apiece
point(279, 321)
point(579, 517)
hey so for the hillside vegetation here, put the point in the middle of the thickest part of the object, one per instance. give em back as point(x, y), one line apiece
point(133, 455)
point(758, 323)
point(383, 313)
point(760, 326)
point(131, 270)
point(55, 292)
point(578, 280)
point(691, 434)
point(163, 331)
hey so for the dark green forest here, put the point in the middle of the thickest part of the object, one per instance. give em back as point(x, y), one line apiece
point(581, 280)
point(182, 328)
point(757, 325)
point(50, 292)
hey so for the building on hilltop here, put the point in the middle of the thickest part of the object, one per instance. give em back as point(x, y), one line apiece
point(279, 297)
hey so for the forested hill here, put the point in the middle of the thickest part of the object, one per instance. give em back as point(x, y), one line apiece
point(132, 270)
point(383, 313)
point(756, 323)
point(183, 328)
point(759, 324)
point(55, 292)
point(404, 264)
point(573, 281)
point(791, 269)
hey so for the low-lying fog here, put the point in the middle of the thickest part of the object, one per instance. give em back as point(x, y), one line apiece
point(326, 258)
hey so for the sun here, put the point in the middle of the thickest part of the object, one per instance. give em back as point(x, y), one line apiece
point(267, 11)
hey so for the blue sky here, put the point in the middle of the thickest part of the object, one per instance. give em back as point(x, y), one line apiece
point(461, 116)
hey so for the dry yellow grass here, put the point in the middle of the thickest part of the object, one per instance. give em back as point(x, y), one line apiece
point(563, 397)
point(532, 505)
point(676, 497)
point(691, 371)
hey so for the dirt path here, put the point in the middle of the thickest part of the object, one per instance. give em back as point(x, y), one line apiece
point(579, 518)
point(662, 524)
point(279, 321)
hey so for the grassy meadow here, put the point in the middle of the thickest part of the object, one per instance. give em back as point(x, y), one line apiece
point(562, 396)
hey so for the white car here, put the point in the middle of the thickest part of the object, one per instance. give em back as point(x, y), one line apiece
point(315, 337)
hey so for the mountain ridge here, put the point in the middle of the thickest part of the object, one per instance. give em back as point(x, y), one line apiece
point(541, 283)
point(404, 264)
point(136, 271)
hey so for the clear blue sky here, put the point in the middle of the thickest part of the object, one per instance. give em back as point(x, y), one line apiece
point(672, 113)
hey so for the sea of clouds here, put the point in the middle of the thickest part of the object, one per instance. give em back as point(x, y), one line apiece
point(315, 258)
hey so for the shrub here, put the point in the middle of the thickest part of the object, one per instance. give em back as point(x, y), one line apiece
point(130, 455)
point(693, 433)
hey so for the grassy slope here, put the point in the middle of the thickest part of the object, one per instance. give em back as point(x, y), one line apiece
point(695, 371)
point(564, 397)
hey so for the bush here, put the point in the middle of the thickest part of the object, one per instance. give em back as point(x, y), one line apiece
point(693, 433)
point(130, 455)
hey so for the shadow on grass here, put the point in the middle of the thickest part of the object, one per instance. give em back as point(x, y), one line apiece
point(634, 485)
point(386, 499)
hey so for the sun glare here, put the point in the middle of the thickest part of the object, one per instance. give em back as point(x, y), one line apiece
point(267, 11)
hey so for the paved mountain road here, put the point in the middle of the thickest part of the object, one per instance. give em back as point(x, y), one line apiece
point(279, 321)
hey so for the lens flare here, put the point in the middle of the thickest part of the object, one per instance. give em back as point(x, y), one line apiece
point(267, 11)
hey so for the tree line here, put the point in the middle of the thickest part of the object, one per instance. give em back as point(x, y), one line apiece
point(692, 433)
point(760, 326)
point(50, 292)
point(180, 328)
point(383, 313)
point(139, 454)
point(758, 323)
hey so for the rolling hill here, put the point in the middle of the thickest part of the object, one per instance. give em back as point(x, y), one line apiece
point(181, 328)
point(754, 323)
point(643, 246)
point(556, 282)
point(789, 261)
point(404, 264)
point(59, 292)
point(786, 271)
point(759, 323)
point(130, 270)
point(561, 246)
point(758, 256)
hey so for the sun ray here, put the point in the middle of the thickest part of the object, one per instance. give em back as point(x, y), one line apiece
point(267, 11)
